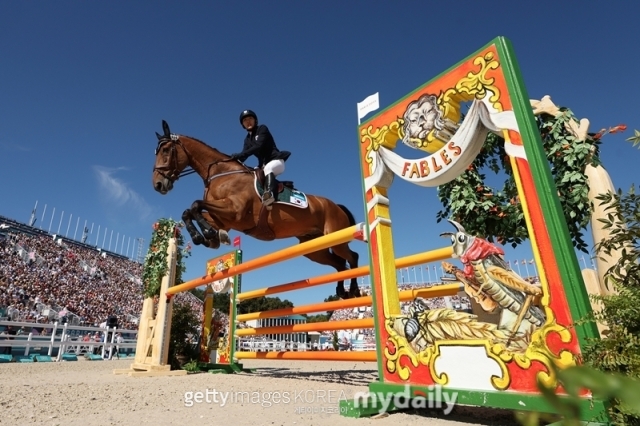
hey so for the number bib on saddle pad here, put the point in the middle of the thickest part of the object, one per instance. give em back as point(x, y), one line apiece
point(285, 195)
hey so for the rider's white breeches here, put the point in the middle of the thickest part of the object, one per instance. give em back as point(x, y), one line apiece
point(274, 166)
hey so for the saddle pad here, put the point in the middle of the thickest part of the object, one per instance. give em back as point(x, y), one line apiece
point(286, 195)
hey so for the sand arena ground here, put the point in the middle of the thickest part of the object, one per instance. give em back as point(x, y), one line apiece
point(88, 393)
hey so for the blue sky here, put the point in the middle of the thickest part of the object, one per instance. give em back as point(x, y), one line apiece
point(86, 84)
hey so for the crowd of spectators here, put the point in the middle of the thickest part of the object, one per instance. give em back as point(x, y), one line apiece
point(45, 279)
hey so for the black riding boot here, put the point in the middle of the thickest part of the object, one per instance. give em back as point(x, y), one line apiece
point(268, 197)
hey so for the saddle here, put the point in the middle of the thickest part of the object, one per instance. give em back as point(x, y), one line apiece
point(280, 184)
point(262, 229)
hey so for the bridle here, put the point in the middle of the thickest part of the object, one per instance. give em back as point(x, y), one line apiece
point(170, 171)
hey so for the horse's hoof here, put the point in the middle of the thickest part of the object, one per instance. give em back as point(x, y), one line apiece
point(210, 233)
point(197, 240)
point(341, 293)
point(224, 237)
point(212, 244)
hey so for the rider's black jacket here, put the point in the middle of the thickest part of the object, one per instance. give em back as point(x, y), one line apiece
point(259, 142)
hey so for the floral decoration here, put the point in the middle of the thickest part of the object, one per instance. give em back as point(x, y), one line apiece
point(155, 262)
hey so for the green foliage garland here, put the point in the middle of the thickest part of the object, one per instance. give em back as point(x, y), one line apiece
point(155, 262)
point(497, 214)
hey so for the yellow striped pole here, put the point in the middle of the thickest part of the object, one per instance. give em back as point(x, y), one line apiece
point(320, 243)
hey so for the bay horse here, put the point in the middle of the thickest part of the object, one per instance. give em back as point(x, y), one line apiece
point(230, 201)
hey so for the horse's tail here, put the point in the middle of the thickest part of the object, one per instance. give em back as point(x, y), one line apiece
point(352, 220)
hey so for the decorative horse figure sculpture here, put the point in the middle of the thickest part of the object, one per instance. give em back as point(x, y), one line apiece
point(231, 201)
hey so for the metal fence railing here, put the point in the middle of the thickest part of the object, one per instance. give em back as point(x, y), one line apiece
point(57, 339)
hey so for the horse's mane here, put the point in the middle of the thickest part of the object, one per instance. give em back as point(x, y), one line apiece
point(214, 149)
point(206, 144)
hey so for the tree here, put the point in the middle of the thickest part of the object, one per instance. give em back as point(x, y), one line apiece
point(262, 304)
point(184, 330)
point(496, 214)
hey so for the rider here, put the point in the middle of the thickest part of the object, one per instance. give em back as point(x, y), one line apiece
point(259, 142)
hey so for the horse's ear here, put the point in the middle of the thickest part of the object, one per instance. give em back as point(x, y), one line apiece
point(158, 135)
point(165, 127)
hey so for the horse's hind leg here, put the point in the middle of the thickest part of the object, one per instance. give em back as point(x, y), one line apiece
point(351, 257)
point(326, 257)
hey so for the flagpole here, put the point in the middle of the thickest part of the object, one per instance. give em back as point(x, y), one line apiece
point(43, 212)
point(33, 214)
point(51, 222)
point(68, 226)
point(60, 224)
point(76, 232)
point(422, 274)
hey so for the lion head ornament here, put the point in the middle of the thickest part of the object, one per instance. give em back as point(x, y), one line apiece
point(423, 116)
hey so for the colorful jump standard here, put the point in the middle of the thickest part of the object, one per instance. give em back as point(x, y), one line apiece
point(535, 327)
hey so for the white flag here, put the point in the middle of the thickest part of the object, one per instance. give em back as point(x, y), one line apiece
point(371, 103)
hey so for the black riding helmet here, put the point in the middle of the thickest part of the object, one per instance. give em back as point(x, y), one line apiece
point(248, 113)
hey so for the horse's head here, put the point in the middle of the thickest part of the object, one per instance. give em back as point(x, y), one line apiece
point(171, 160)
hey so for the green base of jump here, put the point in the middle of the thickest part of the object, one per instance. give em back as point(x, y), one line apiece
point(28, 358)
point(6, 358)
point(381, 399)
point(225, 368)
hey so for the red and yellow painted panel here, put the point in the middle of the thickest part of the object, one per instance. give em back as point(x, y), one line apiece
point(532, 328)
point(213, 324)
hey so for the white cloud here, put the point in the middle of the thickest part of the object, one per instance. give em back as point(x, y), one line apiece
point(118, 192)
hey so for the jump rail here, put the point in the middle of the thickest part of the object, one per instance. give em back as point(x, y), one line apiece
point(439, 291)
point(403, 262)
point(364, 356)
point(320, 243)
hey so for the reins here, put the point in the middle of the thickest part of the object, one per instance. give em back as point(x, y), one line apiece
point(172, 175)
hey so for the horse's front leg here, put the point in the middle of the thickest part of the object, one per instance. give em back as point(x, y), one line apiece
point(225, 213)
point(187, 218)
point(209, 232)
